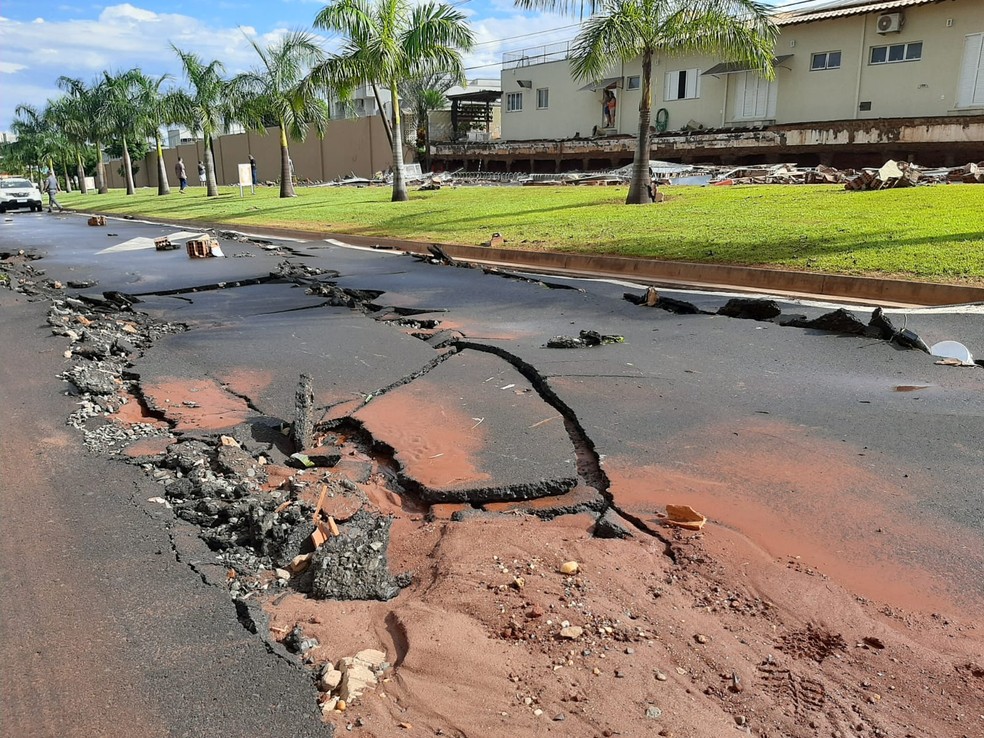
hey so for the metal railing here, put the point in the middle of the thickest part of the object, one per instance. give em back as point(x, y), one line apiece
point(536, 55)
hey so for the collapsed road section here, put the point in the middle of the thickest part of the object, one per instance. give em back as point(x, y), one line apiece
point(444, 550)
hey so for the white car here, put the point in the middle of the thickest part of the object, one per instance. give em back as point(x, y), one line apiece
point(19, 193)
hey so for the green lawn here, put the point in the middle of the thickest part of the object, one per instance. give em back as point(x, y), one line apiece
point(928, 233)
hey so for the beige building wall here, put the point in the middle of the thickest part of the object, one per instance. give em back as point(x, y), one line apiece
point(356, 145)
point(923, 88)
point(570, 111)
point(927, 87)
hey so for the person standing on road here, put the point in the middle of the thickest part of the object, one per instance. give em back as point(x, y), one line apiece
point(179, 170)
point(51, 187)
point(201, 174)
point(252, 169)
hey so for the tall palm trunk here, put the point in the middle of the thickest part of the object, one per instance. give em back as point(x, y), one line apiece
point(80, 173)
point(639, 193)
point(68, 178)
point(211, 189)
point(382, 114)
point(286, 176)
point(399, 184)
point(427, 142)
point(163, 188)
point(128, 168)
point(101, 170)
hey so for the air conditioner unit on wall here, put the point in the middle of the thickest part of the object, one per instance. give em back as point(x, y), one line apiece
point(889, 23)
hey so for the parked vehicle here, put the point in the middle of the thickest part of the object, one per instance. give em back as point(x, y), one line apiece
point(19, 193)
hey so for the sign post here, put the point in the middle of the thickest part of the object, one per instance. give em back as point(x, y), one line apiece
point(245, 179)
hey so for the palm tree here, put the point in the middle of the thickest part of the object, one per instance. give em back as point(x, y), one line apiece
point(66, 117)
point(425, 94)
point(121, 107)
point(283, 90)
point(206, 108)
point(156, 109)
point(34, 136)
point(86, 103)
point(430, 99)
point(388, 41)
point(623, 30)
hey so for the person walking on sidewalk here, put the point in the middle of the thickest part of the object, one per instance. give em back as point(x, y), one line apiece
point(51, 187)
point(179, 170)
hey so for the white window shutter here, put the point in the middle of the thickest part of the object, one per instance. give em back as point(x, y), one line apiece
point(670, 86)
point(970, 91)
point(749, 89)
point(692, 82)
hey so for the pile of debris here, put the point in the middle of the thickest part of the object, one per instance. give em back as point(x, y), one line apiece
point(890, 175)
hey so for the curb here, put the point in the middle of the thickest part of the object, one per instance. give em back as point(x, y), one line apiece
point(886, 292)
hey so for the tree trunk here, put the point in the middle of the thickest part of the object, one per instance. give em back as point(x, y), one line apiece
point(80, 173)
point(68, 179)
point(427, 142)
point(102, 184)
point(286, 175)
point(399, 185)
point(163, 188)
point(127, 168)
point(382, 114)
point(211, 189)
point(639, 193)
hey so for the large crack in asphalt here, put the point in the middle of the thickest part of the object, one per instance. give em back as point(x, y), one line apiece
point(588, 461)
point(213, 483)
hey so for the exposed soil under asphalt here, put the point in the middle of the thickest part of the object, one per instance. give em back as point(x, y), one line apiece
point(761, 623)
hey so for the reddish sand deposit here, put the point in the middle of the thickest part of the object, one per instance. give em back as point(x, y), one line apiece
point(246, 382)
point(808, 501)
point(148, 446)
point(475, 655)
point(436, 441)
point(195, 403)
point(132, 411)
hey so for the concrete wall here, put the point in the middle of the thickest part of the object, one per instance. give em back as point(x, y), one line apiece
point(356, 145)
point(923, 88)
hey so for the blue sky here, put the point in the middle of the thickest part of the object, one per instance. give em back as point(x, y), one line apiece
point(38, 43)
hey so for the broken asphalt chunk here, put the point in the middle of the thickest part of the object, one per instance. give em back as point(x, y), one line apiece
point(838, 321)
point(748, 308)
point(651, 298)
point(585, 339)
point(580, 499)
point(353, 565)
point(881, 326)
point(612, 525)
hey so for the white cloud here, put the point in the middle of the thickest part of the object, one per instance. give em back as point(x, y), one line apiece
point(36, 53)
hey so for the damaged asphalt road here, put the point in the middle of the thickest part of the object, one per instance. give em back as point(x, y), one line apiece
point(436, 401)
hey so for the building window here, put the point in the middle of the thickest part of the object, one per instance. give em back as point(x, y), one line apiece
point(514, 102)
point(634, 82)
point(896, 53)
point(542, 98)
point(826, 60)
point(682, 85)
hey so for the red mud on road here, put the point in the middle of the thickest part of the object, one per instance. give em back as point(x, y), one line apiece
point(195, 404)
point(436, 442)
point(246, 382)
point(662, 645)
point(808, 501)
